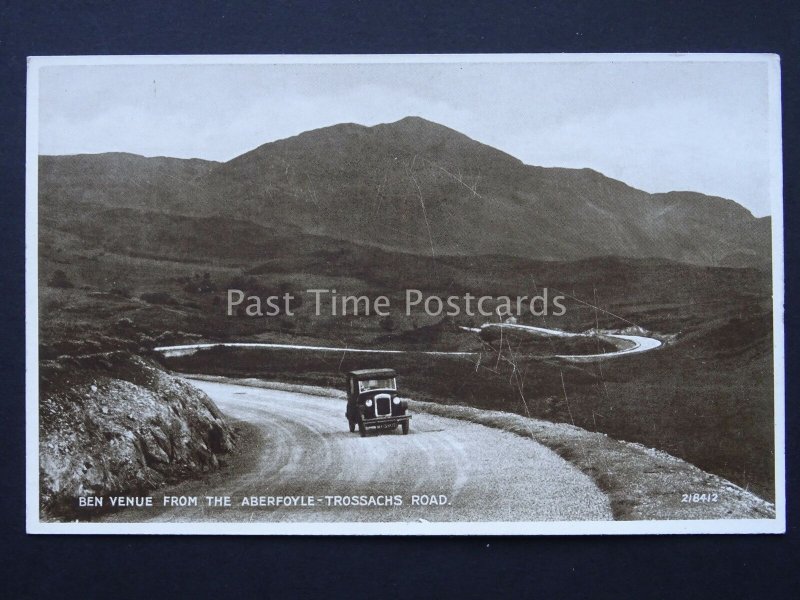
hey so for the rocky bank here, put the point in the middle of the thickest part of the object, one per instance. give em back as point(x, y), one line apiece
point(116, 423)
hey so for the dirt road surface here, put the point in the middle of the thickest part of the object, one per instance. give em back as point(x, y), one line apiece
point(303, 449)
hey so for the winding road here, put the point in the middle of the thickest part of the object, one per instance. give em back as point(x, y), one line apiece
point(306, 451)
point(626, 343)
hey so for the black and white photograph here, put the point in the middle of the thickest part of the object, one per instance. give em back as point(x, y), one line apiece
point(512, 294)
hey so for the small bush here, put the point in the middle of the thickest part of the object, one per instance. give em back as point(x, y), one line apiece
point(387, 323)
point(122, 292)
point(158, 298)
point(200, 285)
point(59, 279)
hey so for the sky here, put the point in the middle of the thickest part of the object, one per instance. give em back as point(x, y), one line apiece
point(658, 126)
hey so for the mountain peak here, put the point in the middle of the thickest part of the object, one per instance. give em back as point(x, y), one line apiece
point(415, 120)
point(415, 123)
point(411, 124)
point(422, 133)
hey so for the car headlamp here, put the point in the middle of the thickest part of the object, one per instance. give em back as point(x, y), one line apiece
point(396, 400)
point(368, 402)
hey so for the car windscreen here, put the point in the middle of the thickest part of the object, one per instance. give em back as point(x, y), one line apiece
point(376, 384)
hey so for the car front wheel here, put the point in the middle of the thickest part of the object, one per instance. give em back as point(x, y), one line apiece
point(405, 425)
point(362, 429)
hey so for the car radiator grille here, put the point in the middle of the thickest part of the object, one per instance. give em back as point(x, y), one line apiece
point(383, 405)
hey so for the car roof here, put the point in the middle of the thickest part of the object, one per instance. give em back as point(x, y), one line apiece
point(367, 373)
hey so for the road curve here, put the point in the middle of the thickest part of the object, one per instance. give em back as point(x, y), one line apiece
point(485, 473)
point(627, 343)
point(638, 343)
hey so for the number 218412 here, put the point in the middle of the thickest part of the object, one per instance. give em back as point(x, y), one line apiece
point(699, 498)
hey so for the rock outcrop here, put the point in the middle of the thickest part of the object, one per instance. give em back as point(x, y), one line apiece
point(116, 424)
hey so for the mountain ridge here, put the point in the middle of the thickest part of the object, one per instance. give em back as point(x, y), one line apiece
point(420, 187)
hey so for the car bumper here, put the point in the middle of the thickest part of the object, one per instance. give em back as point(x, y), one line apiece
point(383, 421)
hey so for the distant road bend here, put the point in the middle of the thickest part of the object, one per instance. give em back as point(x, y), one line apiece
point(626, 343)
point(306, 450)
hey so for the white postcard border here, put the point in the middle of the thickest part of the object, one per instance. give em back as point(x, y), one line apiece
point(733, 526)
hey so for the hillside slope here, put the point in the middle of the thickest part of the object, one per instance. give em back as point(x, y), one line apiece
point(417, 187)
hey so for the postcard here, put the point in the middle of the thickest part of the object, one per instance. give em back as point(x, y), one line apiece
point(405, 295)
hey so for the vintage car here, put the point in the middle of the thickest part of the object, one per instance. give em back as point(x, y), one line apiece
point(372, 401)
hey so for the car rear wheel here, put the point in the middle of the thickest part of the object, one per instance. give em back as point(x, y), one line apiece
point(405, 425)
point(352, 425)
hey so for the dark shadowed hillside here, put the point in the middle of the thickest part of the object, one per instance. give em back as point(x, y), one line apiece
point(417, 187)
point(119, 179)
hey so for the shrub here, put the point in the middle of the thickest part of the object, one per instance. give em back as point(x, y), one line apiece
point(158, 298)
point(387, 323)
point(59, 279)
point(122, 292)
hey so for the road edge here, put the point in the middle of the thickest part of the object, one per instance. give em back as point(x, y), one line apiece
point(641, 483)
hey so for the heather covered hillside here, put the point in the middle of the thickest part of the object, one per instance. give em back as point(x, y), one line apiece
point(416, 186)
